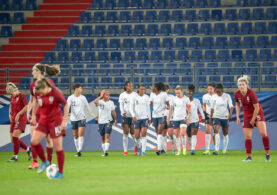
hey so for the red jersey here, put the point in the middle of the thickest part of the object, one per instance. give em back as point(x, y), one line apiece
point(17, 104)
point(247, 102)
point(50, 111)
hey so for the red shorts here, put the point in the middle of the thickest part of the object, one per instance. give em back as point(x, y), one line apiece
point(246, 121)
point(54, 131)
point(37, 120)
point(21, 124)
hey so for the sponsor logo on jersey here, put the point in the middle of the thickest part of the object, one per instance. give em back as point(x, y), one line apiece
point(258, 117)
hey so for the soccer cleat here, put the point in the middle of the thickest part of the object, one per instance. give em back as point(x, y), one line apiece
point(58, 176)
point(215, 152)
point(192, 152)
point(143, 154)
point(78, 154)
point(267, 158)
point(105, 154)
point(248, 159)
point(139, 152)
point(224, 152)
point(158, 153)
point(178, 154)
point(34, 165)
point(29, 152)
point(136, 150)
point(125, 153)
point(163, 152)
point(43, 166)
point(184, 151)
point(207, 152)
point(13, 159)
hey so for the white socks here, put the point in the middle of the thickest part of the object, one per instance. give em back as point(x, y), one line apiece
point(193, 142)
point(189, 138)
point(217, 141)
point(225, 142)
point(160, 140)
point(143, 143)
point(125, 142)
point(184, 141)
point(138, 142)
point(172, 142)
point(76, 142)
point(178, 144)
point(103, 147)
point(107, 145)
point(134, 139)
point(207, 141)
point(81, 142)
point(165, 143)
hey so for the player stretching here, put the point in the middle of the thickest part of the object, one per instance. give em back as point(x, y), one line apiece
point(140, 110)
point(106, 118)
point(220, 117)
point(17, 116)
point(127, 124)
point(192, 129)
point(180, 110)
point(159, 101)
point(253, 115)
point(207, 102)
point(51, 123)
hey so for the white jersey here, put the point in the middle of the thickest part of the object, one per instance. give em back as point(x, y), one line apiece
point(208, 100)
point(124, 103)
point(140, 107)
point(180, 108)
point(78, 106)
point(221, 105)
point(170, 98)
point(105, 111)
point(159, 104)
point(195, 108)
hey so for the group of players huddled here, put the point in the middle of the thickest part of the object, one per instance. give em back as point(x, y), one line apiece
point(177, 116)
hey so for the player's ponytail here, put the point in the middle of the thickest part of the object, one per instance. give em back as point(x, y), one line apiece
point(244, 78)
point(11, 87)
point(42, 83)
point(47, 69)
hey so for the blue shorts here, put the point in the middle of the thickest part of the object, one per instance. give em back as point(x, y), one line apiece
point(159, 121)
point(177, 124)
point(105, 128)
point(171, 125)
point(224, 123)
point(192, 126)
point(141, 123)
point(207, 121)
point(127, 121)
point(77, 124)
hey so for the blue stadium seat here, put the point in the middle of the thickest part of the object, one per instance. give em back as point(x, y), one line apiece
point(128, 43)
point(187, 80)
point(63, 57)
point(149, 4)
point(215, 3)
point(31, 4)
point(98, 16)
point(152, 29)
point(262, 41)
point(117, 69)
point(106, 82)
point(4, 5)
point(139, 29)
point(190, 15)
point(73, 31)
point(86, 30)
point(201, 3)
point(219, 28)
point(228, 82)
point(248, 42)
point(272, 27)
point(90, 57)
point(194, 42)
point(181, 42)
point(258, 14)
point(85, 17)
point(265, 54)
point(164, 16)
point(274, 41)
point(102, 43)
point(233, 28)
point(221, 42)
point(170, 69)
point(110, 4)
point(215, 79)
point(204, 14)
point(136, 3)
point(251, 55)
point(111, 16)
point(88, 45)
point(126, 30)
point(125, 16)
point(160, 79)
point(115, 56)
point(17, 4)
point(231, 14)
point(64, 84)
point(137, 16)
point(210, 55)
point(244, 14)
point(165, 29)
point(90, 70)
point(237, 55)
point(246, 28)
point(202, 81)
point(123, 4)
point(50, 57)
point(151, 16)
point(177, 15)
point(78, 70)
point(5, 18)
point(24, 83)
point(192, 28)
point(103, 56)
point(167, 43)
point(207, 42)
point(173, 81)
point(92, 82)
point(156, 56)
point(154, 43)
point(104, 69)
point(275, 55)
point(174, 4)
point(6, 31)
point(216, 14)
point(62, 44)
point(147, 81)
point(183, 55)
point(157, 68)
point(130, 56)
point(113, 30)
point(162, 4)
point(206, 28)
point(100, 30)
point(18, 18)
point(75, 44)
point(115, 43)
point(223, 55)
point(260, 27)
point(169, 56)
point(271, 13)
point(189, 3)
point(97, 4)
point(254, 2)
point(235, 42)
point(179, 29)
point(268, 3)
point(119, 82)
point(143, 56)
point(141, 43)
point(196, 55)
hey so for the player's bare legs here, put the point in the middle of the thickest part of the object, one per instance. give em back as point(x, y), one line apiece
point(49, 148)
point(183, 129)
point(172, 139)
point(143, 133)
point(216, 139)
point(208, 128)
point(194, 132)
point(17, 143)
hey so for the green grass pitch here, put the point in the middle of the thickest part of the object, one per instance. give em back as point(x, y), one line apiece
point(116, 174)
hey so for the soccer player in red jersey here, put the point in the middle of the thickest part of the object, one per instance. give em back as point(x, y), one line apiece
point(39, 70)
point(253, 115)
point(17, 116)
point(51, 122)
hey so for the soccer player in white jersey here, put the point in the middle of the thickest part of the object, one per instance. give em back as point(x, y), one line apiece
point(78, 104)
point(140, 110)
point(221, 116)
point(207, 102)
point(193, 127)
point(127, 121)
point(180, 109)
point(159, 101)
point(106, 119)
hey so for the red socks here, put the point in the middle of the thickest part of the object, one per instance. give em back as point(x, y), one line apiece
point(248, 147)
point(49, 154)
point(22, 144)
point(16, 145)
point(39, 150)
point(266, 144)
point(60, 158)
point(34, 154)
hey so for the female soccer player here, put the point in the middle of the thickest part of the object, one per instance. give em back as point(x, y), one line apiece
point(17, 116)
point(127, 124)
point(78, 104)
point(159, 101)
point(140, 111)
point(51, 122)
point(207, 102)
point(220, 117)
point(106, 118)
point(180, 110)
point(39, 70)
point(253, 115)
point(192, 129)
point(168, 128)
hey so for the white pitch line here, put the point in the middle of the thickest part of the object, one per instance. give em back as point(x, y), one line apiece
point(4, 101)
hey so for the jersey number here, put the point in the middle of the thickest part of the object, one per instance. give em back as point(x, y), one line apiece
point(58, 131)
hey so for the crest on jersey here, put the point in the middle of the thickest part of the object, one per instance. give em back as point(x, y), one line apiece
point(125, 100)
point(101, 106)
point(51, 99)
point(40, 102)
point(258, 117)
point(248, 99)
point(137, 102)
point(73, 103)
point(17, 99)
